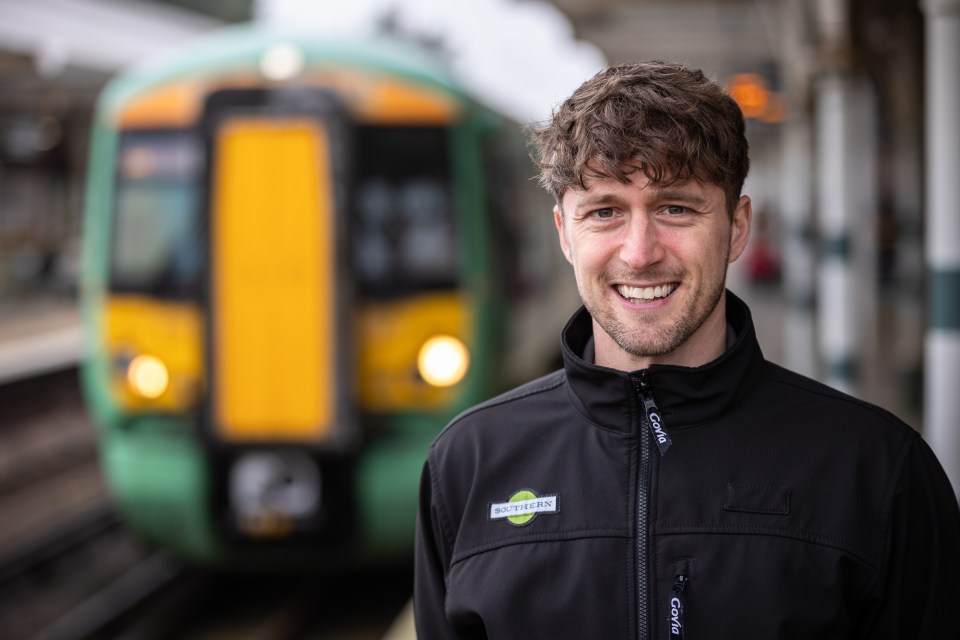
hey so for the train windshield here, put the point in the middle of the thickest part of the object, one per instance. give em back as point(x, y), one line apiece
point(403, 224)
point(158, 243)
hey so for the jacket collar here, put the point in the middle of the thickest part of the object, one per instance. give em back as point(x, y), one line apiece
point(684, 395)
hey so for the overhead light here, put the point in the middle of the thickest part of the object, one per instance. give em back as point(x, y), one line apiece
point(750, 91)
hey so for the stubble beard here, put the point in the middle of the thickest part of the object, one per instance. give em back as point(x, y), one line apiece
point(654, 340)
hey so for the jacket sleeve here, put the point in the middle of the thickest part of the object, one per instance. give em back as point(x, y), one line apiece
point(431, 563)
point(920, 583)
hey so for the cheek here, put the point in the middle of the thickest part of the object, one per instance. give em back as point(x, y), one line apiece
point(585, 271)
point(587, 259)
point(713, 246)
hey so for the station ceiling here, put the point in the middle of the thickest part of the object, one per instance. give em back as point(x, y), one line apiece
point(53, 51)
point(782, 40)
point(720, 36)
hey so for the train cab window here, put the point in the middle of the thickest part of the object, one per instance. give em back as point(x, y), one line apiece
point(157, 243)
point(403, 225)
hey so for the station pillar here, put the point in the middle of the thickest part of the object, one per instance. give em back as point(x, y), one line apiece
point(796, 193)
point(846, 205)
point(796, 206)
point(942, 348)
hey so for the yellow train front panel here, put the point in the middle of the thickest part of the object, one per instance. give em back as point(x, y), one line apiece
point(272, 281)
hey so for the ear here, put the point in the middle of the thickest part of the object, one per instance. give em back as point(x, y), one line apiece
point(558, 220)
point(740, 228)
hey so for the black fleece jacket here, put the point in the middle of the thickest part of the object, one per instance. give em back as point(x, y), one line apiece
point(732, 500)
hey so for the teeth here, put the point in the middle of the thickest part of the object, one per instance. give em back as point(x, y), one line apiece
point(646, 293)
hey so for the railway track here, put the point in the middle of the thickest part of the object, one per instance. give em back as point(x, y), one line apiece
point(69, 570)
point(61, 538)
point(158, 597)
point(200, 605)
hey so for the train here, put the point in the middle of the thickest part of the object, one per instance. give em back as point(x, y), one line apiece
point(302, 256)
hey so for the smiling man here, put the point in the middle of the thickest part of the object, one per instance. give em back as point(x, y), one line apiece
point(669, 482)
point(651, 265)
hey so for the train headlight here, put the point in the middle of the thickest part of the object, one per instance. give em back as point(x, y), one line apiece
point(282, 62)
point(148, 376)
point(443, 361)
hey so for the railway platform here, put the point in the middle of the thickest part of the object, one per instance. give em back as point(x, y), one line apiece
point(38, 336)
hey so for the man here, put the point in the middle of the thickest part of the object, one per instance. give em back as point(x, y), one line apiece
point(669, 482)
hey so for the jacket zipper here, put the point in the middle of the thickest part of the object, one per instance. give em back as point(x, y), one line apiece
point(652, 413)
point(678, 601)
point(652, 420)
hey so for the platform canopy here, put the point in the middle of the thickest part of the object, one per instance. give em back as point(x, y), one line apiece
point(75, 45)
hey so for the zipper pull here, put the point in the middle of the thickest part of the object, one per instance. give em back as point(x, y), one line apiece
point(654, 420)
point(677, 605)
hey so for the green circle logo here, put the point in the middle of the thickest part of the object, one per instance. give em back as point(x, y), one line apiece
point(522, 507)
point(523, 518)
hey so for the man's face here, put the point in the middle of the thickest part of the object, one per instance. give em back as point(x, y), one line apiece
point(651, 264)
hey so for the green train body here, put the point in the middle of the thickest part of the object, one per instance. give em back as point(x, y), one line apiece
point(301, 259)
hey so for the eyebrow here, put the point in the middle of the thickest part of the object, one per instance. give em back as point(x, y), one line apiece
point(598, 199)
point(680, 195)
point(667, 193)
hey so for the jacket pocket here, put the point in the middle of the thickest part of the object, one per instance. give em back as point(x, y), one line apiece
point(678, 600)
point(755, 498)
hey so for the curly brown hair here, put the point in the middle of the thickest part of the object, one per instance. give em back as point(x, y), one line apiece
point(666, 120)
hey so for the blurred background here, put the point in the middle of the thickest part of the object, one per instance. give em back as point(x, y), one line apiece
point(141, 476)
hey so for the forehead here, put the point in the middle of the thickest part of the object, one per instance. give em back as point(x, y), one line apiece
point(639, 185)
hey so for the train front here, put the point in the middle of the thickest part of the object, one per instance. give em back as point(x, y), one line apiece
point(284, 295)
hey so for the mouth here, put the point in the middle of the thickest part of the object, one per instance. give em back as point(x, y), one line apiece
point(646, 294)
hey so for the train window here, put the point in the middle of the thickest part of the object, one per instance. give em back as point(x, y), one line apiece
point(157, 243)
point(403, 231)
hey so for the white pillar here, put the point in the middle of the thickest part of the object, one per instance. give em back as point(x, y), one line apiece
point(796, 188)
point(942, 368)
point(796, 206)
point(846, 164)
point(905, 296)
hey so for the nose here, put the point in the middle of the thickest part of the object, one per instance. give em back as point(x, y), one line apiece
point(641, 245)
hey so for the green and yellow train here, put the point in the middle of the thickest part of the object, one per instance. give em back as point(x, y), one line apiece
point(301, 259)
